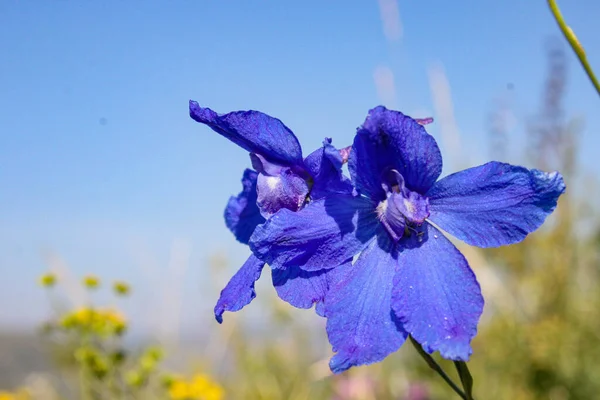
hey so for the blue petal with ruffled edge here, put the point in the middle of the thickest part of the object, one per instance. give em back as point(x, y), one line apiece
point(242, 214)
point(254, 131)
point(361, 326)
point(391, 140)
point(323, 234)
point(325, 166)
point(239, 292)
point(298, 287)
point(436, 295)
point(494, 204)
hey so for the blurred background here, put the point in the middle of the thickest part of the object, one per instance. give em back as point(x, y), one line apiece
point(102, 172)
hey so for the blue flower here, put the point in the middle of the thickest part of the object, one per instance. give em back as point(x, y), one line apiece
point(408, 277)
point(282, 180)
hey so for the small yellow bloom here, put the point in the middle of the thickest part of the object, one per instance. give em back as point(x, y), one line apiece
point(79, 318)
point(179, 390)
point(21, 394)
point(47, 280)
point(121, 288)
point(200, 387)
point(113, 322)
point(91, 281)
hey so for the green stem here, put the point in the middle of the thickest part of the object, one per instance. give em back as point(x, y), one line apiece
point(465, 378)
point(574, 43)
point(85, 376)
point(437, 368)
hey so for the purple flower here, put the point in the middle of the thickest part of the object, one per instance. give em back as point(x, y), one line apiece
point(282, 180)
point(408, 277)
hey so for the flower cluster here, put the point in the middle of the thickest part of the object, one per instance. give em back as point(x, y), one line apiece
point(368, 251)
point(103, 322)
point(199, 387)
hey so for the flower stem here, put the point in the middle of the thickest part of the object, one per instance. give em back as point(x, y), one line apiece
point(574, 43)
point(437, 368)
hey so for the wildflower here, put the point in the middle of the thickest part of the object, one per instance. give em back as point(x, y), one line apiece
point(91, 281)
point(112, 322)
point(282, 179)
point(200, 387)
point(121, 288)
point(20, 394)
point(179, 390)
point(102, 322)
point(408, 278)
point(47, 280)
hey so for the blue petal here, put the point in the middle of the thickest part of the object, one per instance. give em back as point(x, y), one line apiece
point(436, 295)
point(391, 140)
point(242, 214)
point(323, 234)
point(494, 204)
point(320, 308)
point(325, 166)
point(239, 292)
point(300, 288)
point(361, 326)
point(253, 131)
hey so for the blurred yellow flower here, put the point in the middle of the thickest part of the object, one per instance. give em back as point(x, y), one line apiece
point(21, 394)
point(121, 288)
point(91, 281)
point(104, 322)
point(179, 390)
point(46, 280)
point(200, 387)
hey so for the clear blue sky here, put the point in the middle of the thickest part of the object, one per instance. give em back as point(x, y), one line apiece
point(100, 163)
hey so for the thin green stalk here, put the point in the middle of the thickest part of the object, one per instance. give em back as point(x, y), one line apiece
point(85, 381)
point(574, 43)
point(437, 368)
point(465, 378)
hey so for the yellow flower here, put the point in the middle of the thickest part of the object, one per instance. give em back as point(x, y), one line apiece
point(102, 322)
point(47, 280)
point(200, 387)
point(6, 396)
point(91, 281)
point(179, 390)
point(80, 318)
point(121, 288)
point(21, 394)
point(113, 321)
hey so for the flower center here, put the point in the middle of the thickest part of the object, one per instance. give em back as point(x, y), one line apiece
point(403, 211)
